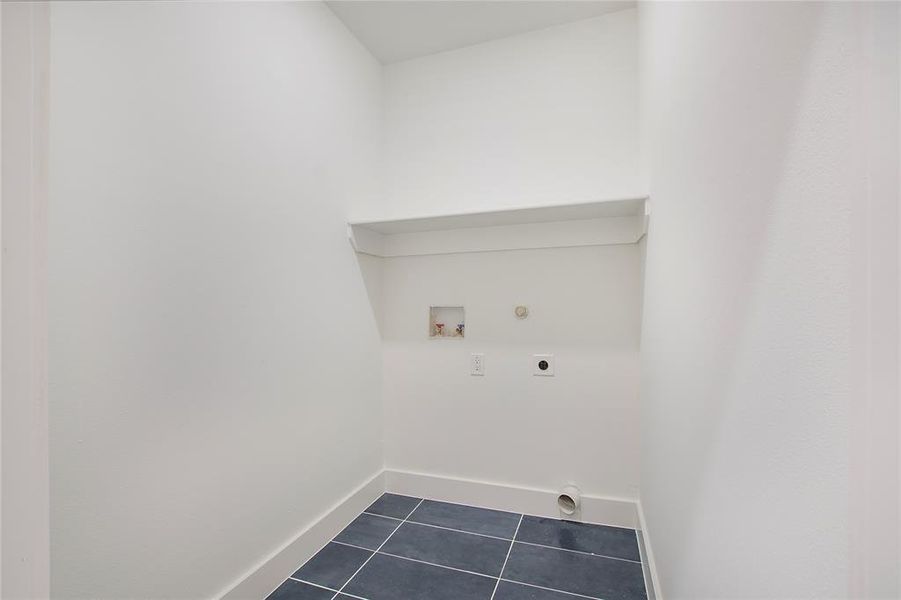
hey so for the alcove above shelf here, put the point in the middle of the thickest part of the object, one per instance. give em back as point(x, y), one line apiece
point(599, 223)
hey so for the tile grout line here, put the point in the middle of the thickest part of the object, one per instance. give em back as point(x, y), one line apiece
point(323, 587)
point(628, 560)
point(509, 512)
point(498, 579)
point(368, 558)
point(292, 578)
point(351, 545)
point(643, 577)
point(541, 587)
point(494, 537)
point(416, 560)
point(509, 550)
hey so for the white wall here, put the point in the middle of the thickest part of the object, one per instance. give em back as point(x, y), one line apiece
point(544, 117)
point(875, 300)
point(24, 543)
point(509, 426)
point(759, 295)
point(214, 365)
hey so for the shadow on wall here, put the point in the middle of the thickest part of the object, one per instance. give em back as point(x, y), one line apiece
point(717, 290)
point(370, 268)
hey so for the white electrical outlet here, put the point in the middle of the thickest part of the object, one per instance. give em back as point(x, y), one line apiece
point(476, 364)
point(543, 365)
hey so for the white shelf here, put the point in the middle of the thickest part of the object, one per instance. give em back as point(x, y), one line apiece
point(615, 221)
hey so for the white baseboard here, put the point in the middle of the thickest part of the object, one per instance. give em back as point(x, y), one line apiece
point(647, 558)
point(275, 568)
point(259, 581)
point(619, 512)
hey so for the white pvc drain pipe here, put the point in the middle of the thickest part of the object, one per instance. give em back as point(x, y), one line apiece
point(569, 500)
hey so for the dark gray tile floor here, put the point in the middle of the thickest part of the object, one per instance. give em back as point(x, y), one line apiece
point(404, 548)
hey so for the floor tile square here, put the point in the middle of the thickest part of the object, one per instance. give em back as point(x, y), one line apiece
point(594, 576)
point(447, 551)
point(393, 505)
point(367, 531)
point(389, 578)
point(465, 551)
point(333, 565)
point(467, 518)
point(295, 590)
point(617, 542)
point(508, 590)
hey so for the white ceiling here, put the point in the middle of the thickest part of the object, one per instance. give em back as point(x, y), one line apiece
point(398, 30)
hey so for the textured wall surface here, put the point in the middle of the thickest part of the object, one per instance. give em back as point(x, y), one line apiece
point(215, 367)
point(539, 118)
point(750, 397)
point(547, 117)
point(24, 521)
point(510, 427)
